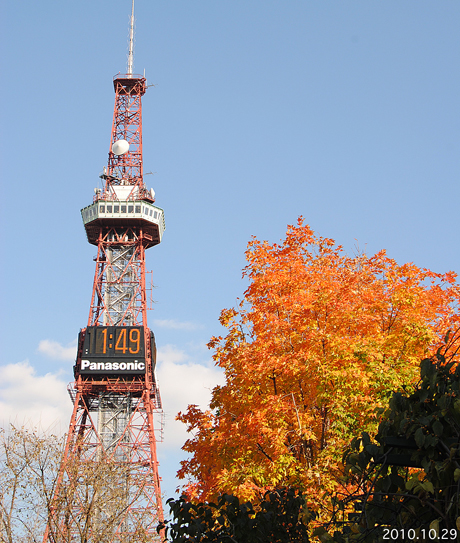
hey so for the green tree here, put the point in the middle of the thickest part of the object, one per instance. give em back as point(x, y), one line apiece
point(280, 517)
point(419, 429)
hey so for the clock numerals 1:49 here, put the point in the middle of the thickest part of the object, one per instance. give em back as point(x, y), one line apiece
point(114, 341)
point(124, 343)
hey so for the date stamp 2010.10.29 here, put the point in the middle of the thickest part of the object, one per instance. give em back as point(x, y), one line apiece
point(422, 534)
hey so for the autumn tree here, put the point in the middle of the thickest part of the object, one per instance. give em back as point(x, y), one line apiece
point(317, 343)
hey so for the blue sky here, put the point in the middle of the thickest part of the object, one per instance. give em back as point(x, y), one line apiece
point(344, 112)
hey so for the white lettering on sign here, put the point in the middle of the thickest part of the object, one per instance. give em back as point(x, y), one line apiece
point(86, 365)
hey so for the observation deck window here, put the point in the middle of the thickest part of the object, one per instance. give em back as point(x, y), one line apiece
point(151, 212)
point(138, 209)
point(123, 209)
point(155, 214)
point(116, 209)
point(109, 209)
point(130, 209)
point(102, 209)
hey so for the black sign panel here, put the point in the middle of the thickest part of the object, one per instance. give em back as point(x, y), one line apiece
point(113, 350)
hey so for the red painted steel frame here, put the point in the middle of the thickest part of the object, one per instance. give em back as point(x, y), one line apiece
point(127, 125)
point(132, 273)
point(137, 445)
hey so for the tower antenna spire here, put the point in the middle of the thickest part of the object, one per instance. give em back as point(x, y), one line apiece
point(131, 43)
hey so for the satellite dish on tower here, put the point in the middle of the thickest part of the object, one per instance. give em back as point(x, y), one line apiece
point(152, 193)
point(120, 147)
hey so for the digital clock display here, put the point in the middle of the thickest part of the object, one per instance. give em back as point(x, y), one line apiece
point(114, 341)
point(113, 350)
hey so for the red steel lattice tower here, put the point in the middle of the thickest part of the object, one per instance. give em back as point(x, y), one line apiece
point(108, 487)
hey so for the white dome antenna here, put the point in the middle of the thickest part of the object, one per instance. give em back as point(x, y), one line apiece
point(120, 147)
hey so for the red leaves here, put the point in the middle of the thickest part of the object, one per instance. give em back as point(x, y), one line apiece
point(313, 348)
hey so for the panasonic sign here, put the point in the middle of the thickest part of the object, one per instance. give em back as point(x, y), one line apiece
point(88, 367)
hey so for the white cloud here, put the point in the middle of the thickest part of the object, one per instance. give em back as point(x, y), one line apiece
point(28, 399)
point(174, 324)
point(182, 382)
point(56, 351)
point(33, 400)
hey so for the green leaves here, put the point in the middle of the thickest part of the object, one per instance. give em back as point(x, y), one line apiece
point(322, 534)
point(414, 485)
point(279, 517)
point(438, 428)
point(457, 474)
point(419, 437)
point(427, 368)
point(423, 426)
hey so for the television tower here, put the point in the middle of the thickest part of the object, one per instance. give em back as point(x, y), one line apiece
point(108, 487)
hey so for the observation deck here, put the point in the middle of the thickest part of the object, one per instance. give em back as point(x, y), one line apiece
point(134, 213)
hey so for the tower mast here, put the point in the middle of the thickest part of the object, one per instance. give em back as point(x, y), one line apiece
point(108, 483)
point(131, 43)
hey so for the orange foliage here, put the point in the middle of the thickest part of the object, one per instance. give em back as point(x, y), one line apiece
point(316, 345)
